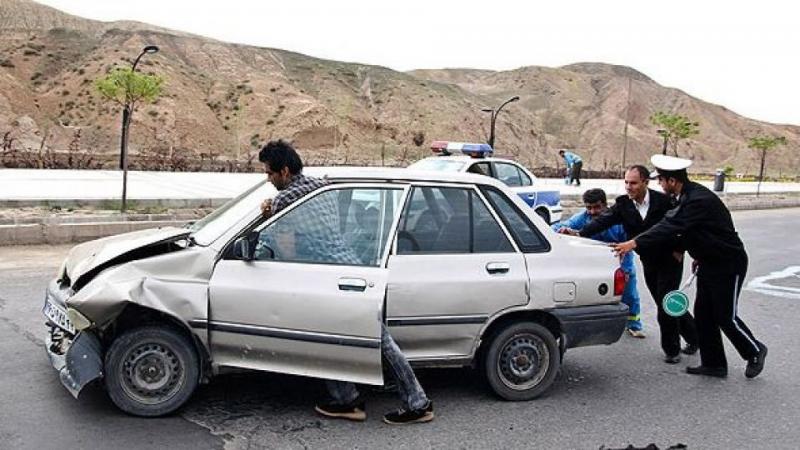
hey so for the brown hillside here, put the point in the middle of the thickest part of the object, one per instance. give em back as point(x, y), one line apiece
point(223, 101)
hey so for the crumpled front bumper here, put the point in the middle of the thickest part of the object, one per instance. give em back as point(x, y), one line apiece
point(77, 359)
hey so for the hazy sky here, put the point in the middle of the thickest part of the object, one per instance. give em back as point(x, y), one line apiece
point(743, 55)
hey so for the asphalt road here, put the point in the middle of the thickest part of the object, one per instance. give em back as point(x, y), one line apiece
point(611, 396)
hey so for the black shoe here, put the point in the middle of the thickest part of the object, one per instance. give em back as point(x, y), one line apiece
point(756, 364)
point(689, 349)
point(719, 372)
point(403, 417)
point(675, 359)
point(352, 411)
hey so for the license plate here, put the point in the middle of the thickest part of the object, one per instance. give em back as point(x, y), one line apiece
point(58, 316)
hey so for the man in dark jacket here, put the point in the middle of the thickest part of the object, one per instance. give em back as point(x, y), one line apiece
point(704, 225)
point(637, 211)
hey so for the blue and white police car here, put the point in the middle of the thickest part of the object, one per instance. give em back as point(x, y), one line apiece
point(477, 158)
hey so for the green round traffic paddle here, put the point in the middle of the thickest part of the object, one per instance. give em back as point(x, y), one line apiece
point(676, 303)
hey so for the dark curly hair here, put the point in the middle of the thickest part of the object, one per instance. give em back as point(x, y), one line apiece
point(594, 196)
point(279, 154)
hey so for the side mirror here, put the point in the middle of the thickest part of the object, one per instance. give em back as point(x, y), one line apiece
point(243, 250)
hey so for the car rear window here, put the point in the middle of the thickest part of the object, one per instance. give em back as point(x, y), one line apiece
point(528, 237)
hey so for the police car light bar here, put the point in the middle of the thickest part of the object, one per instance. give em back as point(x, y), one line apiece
point(474, 150)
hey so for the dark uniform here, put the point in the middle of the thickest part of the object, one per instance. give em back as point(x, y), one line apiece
point(662, 272)
point(704, 226)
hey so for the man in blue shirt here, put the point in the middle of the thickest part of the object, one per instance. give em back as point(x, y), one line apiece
point(595, 202)
point(574, 166)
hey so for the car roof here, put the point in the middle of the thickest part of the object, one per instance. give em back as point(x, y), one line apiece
point(399, 174)
point(465, 158)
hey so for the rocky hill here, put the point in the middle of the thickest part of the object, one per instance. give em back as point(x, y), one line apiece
point(222, 101)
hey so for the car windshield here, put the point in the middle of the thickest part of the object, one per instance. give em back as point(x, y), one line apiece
point(209, 228)
point(441, 165)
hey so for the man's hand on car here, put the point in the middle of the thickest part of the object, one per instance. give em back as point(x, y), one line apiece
point(568, 231)
point(623, 248)
point(266, 207)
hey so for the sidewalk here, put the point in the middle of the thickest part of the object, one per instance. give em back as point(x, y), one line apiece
point(25, 187)
point(39, 203)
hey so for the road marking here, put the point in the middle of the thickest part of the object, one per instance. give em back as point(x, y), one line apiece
point(761, 285)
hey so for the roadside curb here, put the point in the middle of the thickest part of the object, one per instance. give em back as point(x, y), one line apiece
point(73, 229)
point(64, 233)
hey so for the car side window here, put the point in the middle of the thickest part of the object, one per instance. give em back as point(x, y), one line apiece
point(524, 178)
point(528, 237)
point(482, 168)
point(508, 174)
point(449, 220)
point(340, 226)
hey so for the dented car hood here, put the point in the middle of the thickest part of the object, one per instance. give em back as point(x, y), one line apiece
point(90, 255)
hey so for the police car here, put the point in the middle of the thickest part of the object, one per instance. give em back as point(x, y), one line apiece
point(477, 158)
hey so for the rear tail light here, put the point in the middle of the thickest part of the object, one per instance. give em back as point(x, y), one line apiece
point(619, 282)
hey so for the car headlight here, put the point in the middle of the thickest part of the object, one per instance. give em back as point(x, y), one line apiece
point(79, 321)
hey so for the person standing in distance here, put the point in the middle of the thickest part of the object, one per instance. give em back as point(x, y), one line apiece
point(704, 225)
point(574, 166)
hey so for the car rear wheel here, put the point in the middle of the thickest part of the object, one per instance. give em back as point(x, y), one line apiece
point(522, 361)
point(151, 371)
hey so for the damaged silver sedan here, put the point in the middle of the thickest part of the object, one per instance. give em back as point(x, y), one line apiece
point(461, 271)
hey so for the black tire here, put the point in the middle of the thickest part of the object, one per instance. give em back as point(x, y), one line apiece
point(151, 371)
point(544, 214)
point(522, 361)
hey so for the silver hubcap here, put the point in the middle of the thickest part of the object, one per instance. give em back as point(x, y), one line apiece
point(152, 373)
point(523, 361)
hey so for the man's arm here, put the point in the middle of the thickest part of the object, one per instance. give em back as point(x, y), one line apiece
point(576, 222)
point(675, 222)
point(604, 221)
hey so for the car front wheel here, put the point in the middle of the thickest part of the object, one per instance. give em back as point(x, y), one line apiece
point(151, 371)
point(522, 361)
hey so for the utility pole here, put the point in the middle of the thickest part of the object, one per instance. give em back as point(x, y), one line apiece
point(625, 132)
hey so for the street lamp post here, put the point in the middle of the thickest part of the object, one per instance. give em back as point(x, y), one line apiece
point(126, 122)
point(494, 113)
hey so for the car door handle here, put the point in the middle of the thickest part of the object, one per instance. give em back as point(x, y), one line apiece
point(352, 284)
point(497, 267)
point(531, 196)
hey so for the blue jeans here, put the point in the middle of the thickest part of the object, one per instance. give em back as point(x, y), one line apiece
point(630, 297)
point(411, 393)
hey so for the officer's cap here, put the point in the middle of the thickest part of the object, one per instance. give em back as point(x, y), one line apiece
point(664, 163)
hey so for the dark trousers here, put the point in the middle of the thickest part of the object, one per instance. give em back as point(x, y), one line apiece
point(715, 310)
point(660, 279)
point(575, 173)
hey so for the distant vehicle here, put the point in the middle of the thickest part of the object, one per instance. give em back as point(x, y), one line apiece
point(456, 265)
point(477, 158)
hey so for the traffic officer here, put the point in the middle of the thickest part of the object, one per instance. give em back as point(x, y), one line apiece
point(704, 226)
point(637, 211)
